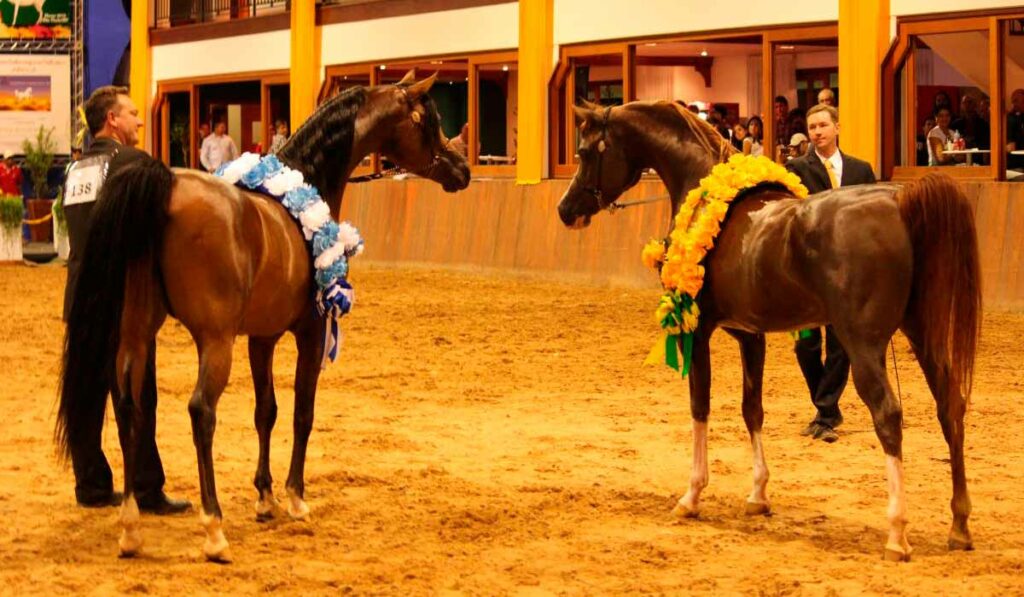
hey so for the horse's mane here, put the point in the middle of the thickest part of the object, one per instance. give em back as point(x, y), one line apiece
point(322, 147)
point(716, 146)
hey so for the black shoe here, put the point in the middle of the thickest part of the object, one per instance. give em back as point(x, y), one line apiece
point(826, 434)
point(813, 429)
point(161, 505)
point(113, 498)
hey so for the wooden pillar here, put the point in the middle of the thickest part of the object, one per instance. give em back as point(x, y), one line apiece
point(535, 47)
point(863, 40)
point(139, 75)
point(304, 79)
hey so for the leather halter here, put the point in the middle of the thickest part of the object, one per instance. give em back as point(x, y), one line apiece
point(595, 190)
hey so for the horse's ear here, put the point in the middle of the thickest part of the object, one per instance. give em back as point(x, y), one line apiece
point(583, 115)
point(591, 105)
point(409, 78)
point(421, 88)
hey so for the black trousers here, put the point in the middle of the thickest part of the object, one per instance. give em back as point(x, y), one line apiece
point(827, 380)
point(93, 478)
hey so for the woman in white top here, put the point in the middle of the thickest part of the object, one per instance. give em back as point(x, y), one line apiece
point(937, 139)
point(752, 143)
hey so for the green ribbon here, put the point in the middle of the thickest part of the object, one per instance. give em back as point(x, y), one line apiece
point(804, 334)
point(681, 342)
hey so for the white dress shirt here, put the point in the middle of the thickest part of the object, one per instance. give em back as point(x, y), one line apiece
point(217, 150)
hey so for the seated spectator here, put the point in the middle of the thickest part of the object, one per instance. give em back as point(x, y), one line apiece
point(739, 133)
point(938, 139)
point(971, 126)
point(1015, 130)
point(752, 143)
point(827, 96)
point(922, 141)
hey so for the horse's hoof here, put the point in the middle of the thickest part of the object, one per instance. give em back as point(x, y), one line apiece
point(758, 508)
point(266, 509)
point(682, 511)
point(896, 554)
point(298, 510)
point(957, 543)
point(129, 544)
point(217, 550)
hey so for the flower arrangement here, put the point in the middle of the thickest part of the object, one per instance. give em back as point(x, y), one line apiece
point(696, 226)
point(331, 244)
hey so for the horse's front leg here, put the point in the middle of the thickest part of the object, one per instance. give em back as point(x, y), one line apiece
point(700, 407)
point(261, 362)
point(309, 338)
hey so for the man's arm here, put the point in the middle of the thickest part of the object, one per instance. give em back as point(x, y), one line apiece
point(204, 154)
point(232, 149)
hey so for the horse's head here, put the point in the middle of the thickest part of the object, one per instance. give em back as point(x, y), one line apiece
point(605, 170)
point(416, 142)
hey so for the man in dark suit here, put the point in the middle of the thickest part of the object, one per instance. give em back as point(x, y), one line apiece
point(821, 169)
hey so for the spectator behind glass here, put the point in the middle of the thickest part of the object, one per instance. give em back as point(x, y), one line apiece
point(204, 132)
point(717, 118)
point(739, 133)
point(1015, 130)
point(755, 131)
point(937, 139)
point(922, 141)
point(780, 112)
point(940, 101)
point(827, 96)
point(280, 136)
point(970, 125)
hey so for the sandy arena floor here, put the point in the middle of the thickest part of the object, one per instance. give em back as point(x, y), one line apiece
point(490, 434)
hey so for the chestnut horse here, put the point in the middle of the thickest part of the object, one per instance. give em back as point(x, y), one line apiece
point(225, 262)
point(867, 259)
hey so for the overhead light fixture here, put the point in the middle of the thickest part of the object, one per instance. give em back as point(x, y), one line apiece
point(504, 67)
point(383, 67)
point(437, 62)
point(704, 53)
point(787, 47)
point(652, 44)
point(346, 77)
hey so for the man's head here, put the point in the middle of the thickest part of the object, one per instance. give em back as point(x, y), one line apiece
point(220, 128)
point(282, 128)
point(1017, 100)
point(110, 112)
point(827, 97)
point(781, 107)
point(204, 130)
point(8, 157)
point(968, 105)
point(823, 126)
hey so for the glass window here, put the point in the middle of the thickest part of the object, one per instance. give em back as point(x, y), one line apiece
point(497, 111)
point(1012, 104)
point(806, 73)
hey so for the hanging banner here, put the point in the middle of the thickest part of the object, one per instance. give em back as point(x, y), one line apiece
point(35, 19)
point(35, 90)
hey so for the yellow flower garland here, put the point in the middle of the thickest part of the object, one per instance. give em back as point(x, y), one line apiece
point(696, 226)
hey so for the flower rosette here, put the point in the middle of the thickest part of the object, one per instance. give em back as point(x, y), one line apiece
point(331, 244)
point(696, 226)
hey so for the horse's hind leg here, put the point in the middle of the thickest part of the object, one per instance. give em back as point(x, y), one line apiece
point(700, 406)
point(752, 350)
point(309, 339)
point(261, 361)
point(950, 408)
point(867, 360)
point(214, 369)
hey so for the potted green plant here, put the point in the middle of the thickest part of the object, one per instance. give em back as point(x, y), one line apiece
point(39, 154)
point(11, 211)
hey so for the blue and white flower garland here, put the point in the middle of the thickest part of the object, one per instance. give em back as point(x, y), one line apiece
point(332, 244)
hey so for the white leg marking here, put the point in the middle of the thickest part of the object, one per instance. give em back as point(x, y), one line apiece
point(131, 540)
point(266, 505)
point(297, 508)
point(216, 546)
point(896, 547)
point(758, 503)
point(689, 504)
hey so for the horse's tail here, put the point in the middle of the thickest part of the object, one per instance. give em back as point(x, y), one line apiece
point(945, 298)
point(128, 220)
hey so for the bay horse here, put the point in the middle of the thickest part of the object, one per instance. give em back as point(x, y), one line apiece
point(225, 262)
point(868, 259)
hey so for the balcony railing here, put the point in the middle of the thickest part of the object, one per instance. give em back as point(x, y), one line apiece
point(172, 13)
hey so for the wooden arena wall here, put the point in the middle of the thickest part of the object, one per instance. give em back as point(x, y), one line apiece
point(496, 224)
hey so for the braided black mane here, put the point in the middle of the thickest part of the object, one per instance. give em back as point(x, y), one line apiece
point(322, 147)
